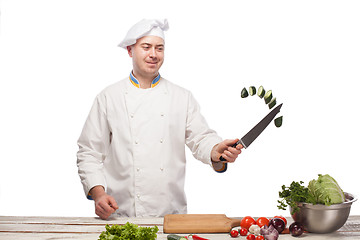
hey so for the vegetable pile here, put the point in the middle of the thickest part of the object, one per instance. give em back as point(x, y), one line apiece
point(268, 98)
point(265, 229)
point(324, 190)
point(129, 231)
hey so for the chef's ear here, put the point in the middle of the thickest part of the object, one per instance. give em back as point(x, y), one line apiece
point(129, 49)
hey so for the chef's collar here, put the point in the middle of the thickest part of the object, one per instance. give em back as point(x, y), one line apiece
point(136, 83)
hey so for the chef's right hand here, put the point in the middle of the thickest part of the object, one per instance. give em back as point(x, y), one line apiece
point(226, 150)
point(105, 205)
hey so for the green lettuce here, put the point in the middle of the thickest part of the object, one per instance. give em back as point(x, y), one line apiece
point(129, 231)
point(326, 190)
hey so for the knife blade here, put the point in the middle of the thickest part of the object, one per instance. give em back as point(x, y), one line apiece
point(248, 138)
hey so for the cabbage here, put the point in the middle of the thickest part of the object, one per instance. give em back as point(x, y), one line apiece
point(326, 190)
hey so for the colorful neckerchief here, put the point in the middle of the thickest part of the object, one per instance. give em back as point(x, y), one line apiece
point(136, 83)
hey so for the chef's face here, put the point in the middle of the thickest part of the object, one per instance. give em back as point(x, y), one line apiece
point(147, 55)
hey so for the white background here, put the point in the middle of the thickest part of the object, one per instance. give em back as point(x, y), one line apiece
point(57, 55)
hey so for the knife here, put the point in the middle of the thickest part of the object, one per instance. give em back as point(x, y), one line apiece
point(248, 138)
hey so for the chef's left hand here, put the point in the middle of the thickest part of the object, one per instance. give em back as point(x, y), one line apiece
point(226, 150)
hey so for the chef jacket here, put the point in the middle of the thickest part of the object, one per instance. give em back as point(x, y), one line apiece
point(133, 144)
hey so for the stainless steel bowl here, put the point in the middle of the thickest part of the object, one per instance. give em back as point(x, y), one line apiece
point(320, 218)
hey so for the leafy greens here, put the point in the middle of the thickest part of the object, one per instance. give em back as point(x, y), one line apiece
point(128, 231)
point(294, 194)
point(324, 190)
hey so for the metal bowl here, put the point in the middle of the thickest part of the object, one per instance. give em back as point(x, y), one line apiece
point(320, 218)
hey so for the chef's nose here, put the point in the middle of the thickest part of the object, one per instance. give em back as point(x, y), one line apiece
point(152, 53)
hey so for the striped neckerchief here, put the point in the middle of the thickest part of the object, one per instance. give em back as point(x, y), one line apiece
point(136, 83)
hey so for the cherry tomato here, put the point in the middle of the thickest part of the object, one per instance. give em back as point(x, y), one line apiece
point(243, 232)
point(281, 217)
point(246, 222)
point(234, 233)
point(261, 221)
point(259, 237)
point(250, 237)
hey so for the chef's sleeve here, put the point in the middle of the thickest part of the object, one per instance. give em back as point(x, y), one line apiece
point(93, 145)
point(199, 137)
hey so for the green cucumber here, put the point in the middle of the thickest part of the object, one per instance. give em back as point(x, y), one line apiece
point(268, 96)
point(272, 103)
point(261, 92)
point(244, 93)
point(175, 237)
point(278, 121)
point(252, 90)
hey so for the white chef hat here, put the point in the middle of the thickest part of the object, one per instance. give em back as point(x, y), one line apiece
point(146, 27)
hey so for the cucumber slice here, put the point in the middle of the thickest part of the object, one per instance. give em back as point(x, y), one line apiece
point(278, 121)
point(244, 93)
point(272, 103)
point(252, 90)
point(268, 96)
point(175, 237)
point(261, 92)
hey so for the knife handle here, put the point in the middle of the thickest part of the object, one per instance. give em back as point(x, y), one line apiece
point(234, 146)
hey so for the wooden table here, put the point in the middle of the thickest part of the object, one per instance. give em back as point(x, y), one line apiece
point(81, 228)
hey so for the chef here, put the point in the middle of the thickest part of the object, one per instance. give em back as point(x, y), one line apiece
point(131, 158)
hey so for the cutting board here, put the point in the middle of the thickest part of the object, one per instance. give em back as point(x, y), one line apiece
point(199, 223)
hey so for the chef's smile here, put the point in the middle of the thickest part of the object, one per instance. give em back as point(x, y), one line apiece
point(152, 64)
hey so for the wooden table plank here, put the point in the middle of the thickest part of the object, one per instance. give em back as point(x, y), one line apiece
point(47, 236)
point(50, 228)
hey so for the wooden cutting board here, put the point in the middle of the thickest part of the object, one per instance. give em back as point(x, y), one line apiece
point(199, 223)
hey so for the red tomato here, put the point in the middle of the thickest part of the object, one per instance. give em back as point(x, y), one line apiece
point(259, 237)
point(281, 217)
point(243, 232)
point(246, 222)
point(234, 233)
point(261, 221)
point(250, 237)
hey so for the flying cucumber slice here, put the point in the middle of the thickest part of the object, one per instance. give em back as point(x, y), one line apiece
point(272, 103)
point(252, 90)
point(244, 93)
point(261, 92)
point(268, 96)
point(278, 121)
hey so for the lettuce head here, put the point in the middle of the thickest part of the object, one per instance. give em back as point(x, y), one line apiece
point(326, 190)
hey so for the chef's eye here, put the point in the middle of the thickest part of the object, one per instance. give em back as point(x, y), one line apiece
point(160, 49)
point(145, 46)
